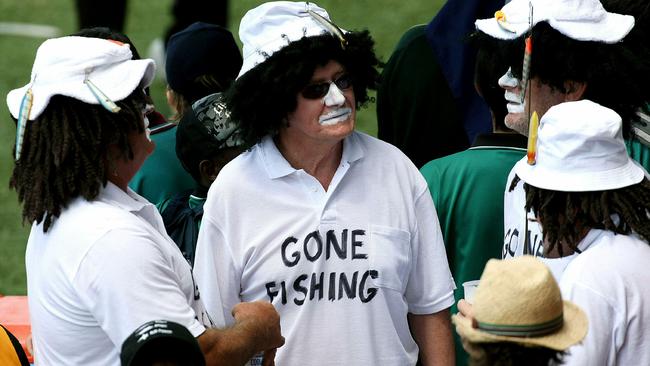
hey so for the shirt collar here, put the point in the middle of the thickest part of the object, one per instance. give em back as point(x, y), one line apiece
point(277, 166)
point(129, 200)
point(500, 140)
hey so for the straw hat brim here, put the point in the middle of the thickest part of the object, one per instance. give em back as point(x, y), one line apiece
point(573, 331)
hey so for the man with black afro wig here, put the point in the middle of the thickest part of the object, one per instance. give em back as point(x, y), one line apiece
point(335, 228)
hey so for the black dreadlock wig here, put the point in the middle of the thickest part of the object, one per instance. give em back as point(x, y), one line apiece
point(565, 215)
point(262, 98)
point(64, 153)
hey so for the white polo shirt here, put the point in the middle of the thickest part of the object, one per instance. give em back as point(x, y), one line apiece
point(609, 281)
point(104, 268)
point(343, 267)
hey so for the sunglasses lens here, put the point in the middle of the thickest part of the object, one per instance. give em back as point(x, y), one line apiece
point(316, 91)
point(343, 82)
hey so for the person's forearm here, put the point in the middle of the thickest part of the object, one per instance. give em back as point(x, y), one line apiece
point(432, 333)
point(256, 329)
point(226, 347)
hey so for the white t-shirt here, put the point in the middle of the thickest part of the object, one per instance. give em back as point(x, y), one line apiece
point(610, 281)
point(343, 267)
point(104, 268)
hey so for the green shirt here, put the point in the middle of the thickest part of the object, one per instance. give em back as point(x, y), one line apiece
point(467, 190)
point(639, 152)
point(162, 175)
point(416, 110)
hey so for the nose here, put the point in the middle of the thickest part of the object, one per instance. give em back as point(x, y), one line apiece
point(334, 96)
point(508, 80)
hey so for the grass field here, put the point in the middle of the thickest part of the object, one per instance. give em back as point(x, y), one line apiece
point(147, 19)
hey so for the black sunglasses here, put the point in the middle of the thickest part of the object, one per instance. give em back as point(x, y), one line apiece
point(319, 90)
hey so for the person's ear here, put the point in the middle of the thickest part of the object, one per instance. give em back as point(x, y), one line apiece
point(172, 99)
point(575, 90)
point(208, 171)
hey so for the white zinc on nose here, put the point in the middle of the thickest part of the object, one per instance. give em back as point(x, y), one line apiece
point(508, 80)
point(334, 96)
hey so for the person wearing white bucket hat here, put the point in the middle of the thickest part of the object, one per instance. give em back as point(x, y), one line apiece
point(98, 260)
point(593, 203)
point(335, 228)
point(578, 50)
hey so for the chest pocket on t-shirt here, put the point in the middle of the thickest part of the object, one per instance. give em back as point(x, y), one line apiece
point(390, 256)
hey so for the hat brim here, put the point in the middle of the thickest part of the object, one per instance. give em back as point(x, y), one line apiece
point(611, 29)
point(492, 28)
point(570, 180)
point(573, 331)
point(117, 81)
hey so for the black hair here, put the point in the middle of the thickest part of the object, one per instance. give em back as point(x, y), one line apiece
point(202, 85)
point(262, 98)
point(64, 153)
point(565, 215)
point(167, 351)
point(617, 75)
point(488, 69)
point(107, 33)
point(513, 354)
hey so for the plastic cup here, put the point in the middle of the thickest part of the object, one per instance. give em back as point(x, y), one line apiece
point(469, 288)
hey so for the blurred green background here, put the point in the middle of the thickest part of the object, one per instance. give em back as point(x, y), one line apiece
point(147, 20)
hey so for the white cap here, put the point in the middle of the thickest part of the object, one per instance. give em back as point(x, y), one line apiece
point(271, 26)
point(582, 20)
point(580, 148)
point(62, 64)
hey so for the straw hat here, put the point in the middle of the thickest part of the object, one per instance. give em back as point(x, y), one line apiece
point(582, 20)
point(580, 148)
point(519, 301)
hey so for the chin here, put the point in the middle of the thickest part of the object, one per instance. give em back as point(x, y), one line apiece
point(517, 122)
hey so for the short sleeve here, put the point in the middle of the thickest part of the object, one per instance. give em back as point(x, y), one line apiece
point(126, 279)
point(430, 287)
point(215, 271)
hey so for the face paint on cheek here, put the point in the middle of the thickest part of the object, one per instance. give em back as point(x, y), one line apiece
point(334, 96)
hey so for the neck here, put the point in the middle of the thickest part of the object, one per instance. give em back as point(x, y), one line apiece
point(318, 160)
point(567, 250)
point(119, 182)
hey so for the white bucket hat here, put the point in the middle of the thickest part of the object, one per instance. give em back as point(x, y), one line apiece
point(582, 20)
point(271, 26)
point(580, 148)
point(62, 64)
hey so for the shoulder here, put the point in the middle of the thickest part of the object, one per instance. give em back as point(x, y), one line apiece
point(382, 161)
point(416, 33)
point(614, 258)
point(376, 149)
point(246, 165)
